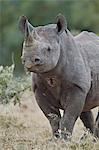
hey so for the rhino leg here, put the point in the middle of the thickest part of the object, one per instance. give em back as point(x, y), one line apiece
point(73, 109)
point(52, 113)
point(54, 120)
point(96, 131)
point(88, 120)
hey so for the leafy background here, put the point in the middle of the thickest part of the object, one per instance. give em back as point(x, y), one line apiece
point(80, 15)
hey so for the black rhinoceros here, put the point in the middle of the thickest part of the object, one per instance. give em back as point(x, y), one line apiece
point(65, 73)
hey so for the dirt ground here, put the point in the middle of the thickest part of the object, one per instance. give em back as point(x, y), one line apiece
point(26, 128)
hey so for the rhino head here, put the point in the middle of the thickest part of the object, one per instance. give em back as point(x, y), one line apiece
point(41, 46)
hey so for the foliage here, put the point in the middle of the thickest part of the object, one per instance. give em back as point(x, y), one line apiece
point(80, 15)
point(11, 88)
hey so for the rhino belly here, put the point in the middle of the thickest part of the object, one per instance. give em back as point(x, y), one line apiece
point(90, 104)
point(92, 99)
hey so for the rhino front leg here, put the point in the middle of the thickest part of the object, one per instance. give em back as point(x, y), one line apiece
point(44, 100)
point(73, 109)
point(54, 119)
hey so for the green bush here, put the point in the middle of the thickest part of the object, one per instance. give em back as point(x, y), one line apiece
point(11, 88)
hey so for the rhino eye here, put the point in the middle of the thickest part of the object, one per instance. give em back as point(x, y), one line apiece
point(49, 49)
point(23, 60)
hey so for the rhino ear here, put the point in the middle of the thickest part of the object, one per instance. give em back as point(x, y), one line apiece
point(61, 24)
point(24, 25)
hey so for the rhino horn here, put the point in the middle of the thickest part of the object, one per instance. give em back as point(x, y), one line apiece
point(22, 22)
point(26, 28)
point(35, 35)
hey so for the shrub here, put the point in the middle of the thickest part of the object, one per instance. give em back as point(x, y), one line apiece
point(11, 87)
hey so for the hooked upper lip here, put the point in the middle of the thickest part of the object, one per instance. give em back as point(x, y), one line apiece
point(34, 68)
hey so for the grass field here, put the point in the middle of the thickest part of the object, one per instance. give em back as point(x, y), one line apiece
point(26, 128)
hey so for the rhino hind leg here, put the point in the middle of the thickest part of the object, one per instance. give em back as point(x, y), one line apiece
point(88, 120)
point(96, 131)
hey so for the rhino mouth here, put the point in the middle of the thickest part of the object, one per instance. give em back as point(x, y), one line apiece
point(35, 69)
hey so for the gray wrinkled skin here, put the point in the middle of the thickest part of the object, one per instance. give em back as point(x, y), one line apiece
point(65, 74)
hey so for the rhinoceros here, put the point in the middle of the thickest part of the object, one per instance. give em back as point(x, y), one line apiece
point(65, 74)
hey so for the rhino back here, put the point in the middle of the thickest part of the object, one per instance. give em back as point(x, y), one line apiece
point(85, 37)
point(89, 43)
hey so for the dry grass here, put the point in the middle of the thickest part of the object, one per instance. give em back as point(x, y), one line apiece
point(26, 128)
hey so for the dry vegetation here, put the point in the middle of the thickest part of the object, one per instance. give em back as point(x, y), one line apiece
point(26, 128)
